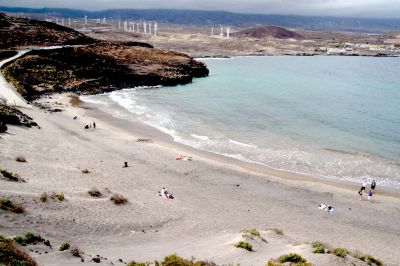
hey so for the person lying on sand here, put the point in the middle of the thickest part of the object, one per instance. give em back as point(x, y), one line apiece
point(164, 193)
point(183, 158)
point(327, 208)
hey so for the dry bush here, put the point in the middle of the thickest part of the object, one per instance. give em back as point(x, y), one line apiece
point(20, 159)
point(76, 252)
point(8, 205)
point(10, 254)
point(276, 231)
point(59, 196)
point(118, 199)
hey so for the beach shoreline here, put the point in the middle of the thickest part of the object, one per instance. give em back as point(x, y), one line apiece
point(142, 130)
point(216, 198)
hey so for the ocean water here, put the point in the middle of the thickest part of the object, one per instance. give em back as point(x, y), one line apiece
point(333, 117)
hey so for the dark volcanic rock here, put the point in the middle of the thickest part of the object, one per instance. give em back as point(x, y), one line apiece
point(15, 32)
point(267, 31)
point(99, 68)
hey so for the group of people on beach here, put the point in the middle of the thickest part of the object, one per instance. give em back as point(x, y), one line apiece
point(87, 126)
point(371, 191)
point(164, 193)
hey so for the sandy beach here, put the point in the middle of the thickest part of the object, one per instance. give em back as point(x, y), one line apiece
point(216, 198)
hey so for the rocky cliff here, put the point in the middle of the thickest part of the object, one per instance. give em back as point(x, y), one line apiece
point(88, 65)
point(99, 68)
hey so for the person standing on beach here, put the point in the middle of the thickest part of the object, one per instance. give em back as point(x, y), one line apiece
point(94, 125)
point(363, 186)
point(370, 195)
point(373, 186)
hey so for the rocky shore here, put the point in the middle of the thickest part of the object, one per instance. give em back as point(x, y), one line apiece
point(99, 68)
point(86, 65)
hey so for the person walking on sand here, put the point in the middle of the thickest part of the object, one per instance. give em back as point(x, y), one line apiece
point(370, 195)
point(373, 186)
point(94, 125)
point(363, 186)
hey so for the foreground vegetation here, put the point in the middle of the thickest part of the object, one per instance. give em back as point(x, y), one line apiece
point(11, 254)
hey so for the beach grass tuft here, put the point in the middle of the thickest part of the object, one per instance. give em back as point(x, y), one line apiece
point(371, 260)
point(8, 205)
point(118, 199)
point(340, 252)
point(43, 197)
point(292, 257)
point(318, 247)
point(9, 176)
point(64, 246)
point(60, 196)
point(245, 245)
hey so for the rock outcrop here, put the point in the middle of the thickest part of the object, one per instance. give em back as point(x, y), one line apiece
point(99, 68)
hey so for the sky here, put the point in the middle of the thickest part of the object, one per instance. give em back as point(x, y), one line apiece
point(354, 8)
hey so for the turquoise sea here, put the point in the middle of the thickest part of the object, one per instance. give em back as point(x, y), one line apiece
point(334, 117)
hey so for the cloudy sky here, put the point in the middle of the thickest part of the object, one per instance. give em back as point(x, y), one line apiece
point(358, 8)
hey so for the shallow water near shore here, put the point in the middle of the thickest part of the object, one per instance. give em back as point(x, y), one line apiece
point(334, 117)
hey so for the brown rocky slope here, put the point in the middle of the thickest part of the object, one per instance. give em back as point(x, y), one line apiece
point(99, 68)
point(16, 32)
point(87, 65)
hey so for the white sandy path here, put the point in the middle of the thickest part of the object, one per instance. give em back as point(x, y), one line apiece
point(7, 91)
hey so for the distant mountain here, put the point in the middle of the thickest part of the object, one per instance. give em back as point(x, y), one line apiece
point(267, 31)
point(196, 17)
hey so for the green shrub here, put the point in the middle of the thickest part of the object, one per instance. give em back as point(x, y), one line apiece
point(10, 254)
point(2, 238)
point(340, 252)
point(254, 232)
point(31, 238)
point(244, 245)
point(60, 196)
point(64, 246)
point(318, 247)
point(175, 260)
point(19, 240)
point(371, 260)
point(43, 197)
point(292, 257)
point(11, 176)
